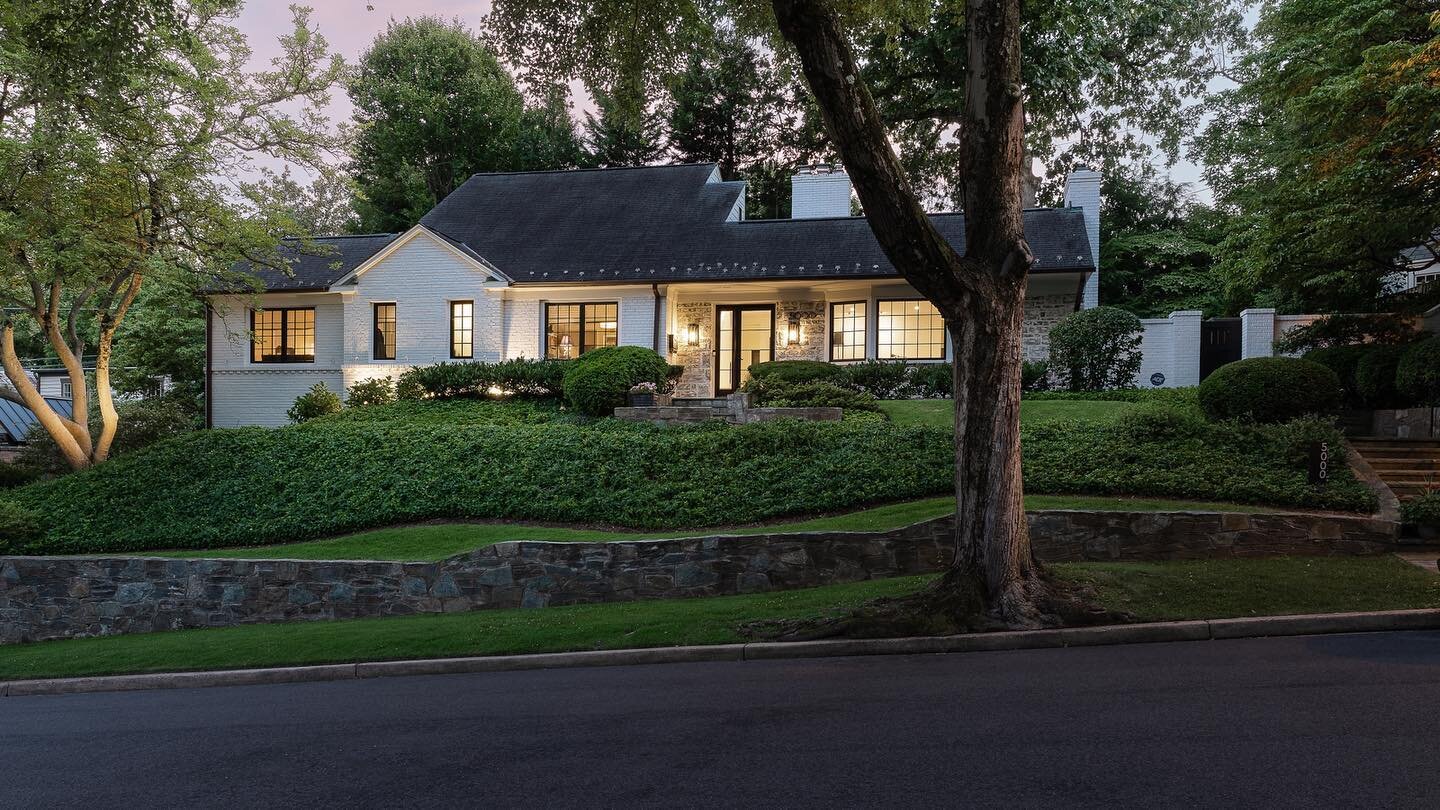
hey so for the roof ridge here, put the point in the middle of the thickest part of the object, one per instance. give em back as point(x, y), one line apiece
point(341, 236)
point(599, 169)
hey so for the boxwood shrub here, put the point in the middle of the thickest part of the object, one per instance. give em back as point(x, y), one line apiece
point(797, 371)
point(1418, 374)
point(520, 377)
point(598, 381)
point(1375, 377)
point(1270, 390)
point(1342, 360)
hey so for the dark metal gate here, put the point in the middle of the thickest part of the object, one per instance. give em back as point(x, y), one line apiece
point(1219, 344)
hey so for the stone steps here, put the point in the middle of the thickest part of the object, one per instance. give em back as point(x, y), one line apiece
point(1409, 467)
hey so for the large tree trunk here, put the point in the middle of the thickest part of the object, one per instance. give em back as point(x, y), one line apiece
point(59, 428)
point(980, 295)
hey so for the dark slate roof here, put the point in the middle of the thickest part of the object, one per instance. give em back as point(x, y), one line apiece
point(317, 266)
point(17, 420)
point(667, 224)
point(1419, 255)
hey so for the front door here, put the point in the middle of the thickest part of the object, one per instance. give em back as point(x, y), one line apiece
point(744, 336)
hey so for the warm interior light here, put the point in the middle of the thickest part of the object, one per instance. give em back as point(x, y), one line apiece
point(792, 332)
point(692, 335)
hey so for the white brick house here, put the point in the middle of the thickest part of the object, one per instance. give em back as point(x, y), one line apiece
point(549, 264)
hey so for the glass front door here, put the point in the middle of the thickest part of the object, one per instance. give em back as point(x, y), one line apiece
point(744, 336)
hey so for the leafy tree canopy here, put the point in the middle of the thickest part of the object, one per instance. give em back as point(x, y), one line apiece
point(117, 134)
point(1328, 151)
point(433, 105)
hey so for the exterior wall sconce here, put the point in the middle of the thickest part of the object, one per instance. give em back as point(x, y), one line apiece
point(792, 332)
point(692, 335)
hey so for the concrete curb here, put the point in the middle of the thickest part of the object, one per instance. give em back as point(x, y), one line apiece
point(1201, 630)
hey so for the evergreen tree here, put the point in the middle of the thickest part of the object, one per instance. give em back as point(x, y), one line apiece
point(620, 136)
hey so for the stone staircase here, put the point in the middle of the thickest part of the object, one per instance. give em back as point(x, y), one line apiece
point(1410, 467)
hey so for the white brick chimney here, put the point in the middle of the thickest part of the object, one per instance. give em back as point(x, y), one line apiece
point(1082, 190)
point(820, 190)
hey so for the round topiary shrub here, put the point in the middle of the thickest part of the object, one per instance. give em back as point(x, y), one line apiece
point(1270, 390)
point(598, 381)
point(1375, 377)
point(1417, 376)
point(318, 401)
point(795, 372)
point(1096, 349)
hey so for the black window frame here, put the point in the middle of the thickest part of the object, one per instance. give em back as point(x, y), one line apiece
point(377, 339)
point(584, 319)
point(864, 332)
point(283, 358)
point(471, 330)
point(944, 335)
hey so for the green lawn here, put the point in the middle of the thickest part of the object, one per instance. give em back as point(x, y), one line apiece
point(1176, 590)
point(941, 412)
point(441, 540)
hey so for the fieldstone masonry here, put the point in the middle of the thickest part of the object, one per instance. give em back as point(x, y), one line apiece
point(1042, 313)
point(61, 597)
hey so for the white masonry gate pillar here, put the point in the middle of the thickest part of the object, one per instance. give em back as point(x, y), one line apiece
point(1185, 346)
point(1257, 333)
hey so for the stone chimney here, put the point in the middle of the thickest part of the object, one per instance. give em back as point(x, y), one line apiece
point(820, 190)
point(1082, 190)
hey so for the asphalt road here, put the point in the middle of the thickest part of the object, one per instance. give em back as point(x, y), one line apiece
point(1333, 721)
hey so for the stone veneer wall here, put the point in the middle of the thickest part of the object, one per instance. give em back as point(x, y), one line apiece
point(58, 597)
point(811, 315)
point(1042, 312)
point(695, 381)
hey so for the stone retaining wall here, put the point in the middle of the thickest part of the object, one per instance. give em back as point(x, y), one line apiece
point(59, 597)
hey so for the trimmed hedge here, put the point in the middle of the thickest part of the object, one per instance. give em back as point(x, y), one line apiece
point(815, 394)
point(797, 371)
point(599, 381)
point(358, 470)
point(1418, 374)
point(1270, 390)
point(1178, 396)
point(521, 377)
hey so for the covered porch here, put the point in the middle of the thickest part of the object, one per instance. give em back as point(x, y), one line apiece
point(718, 330)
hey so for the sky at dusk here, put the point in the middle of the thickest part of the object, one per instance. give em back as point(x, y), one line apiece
point(351, 25)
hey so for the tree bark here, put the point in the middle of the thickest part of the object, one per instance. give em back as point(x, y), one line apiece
point(980, 295)
point(57, 426)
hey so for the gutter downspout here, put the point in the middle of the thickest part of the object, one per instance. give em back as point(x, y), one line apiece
point(209, 367)
point(655, 290)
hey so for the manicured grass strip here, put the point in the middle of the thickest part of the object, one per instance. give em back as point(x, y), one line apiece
point(941, 412)
point(438, 541)
point(1219, 589)
point(1152, 591)
point(485, 632)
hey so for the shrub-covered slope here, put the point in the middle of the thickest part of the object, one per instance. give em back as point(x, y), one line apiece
point(253, 486)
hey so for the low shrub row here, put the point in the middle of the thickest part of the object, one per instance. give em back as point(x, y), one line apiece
point(875, 379)
point(511, 461)
point(521, 377)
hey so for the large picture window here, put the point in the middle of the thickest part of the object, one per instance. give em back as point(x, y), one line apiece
point(283, 335)
point(573, 329)
point(462, 329)
point(909, 330)
point(384, 332)
point(847, 331)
